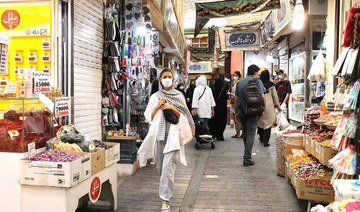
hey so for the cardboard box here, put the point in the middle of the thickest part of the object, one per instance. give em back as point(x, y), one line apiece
point(317, 147)
point(317, 189)
point(57, 174)
point(289, 147)
point(112, 155)
point(312, 146)
point(97, 160)
point(325, 154)
point(307, 144)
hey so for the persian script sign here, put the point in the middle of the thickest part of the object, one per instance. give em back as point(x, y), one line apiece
point(242, 39)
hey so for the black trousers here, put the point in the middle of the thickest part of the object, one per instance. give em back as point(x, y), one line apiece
point(264, 134)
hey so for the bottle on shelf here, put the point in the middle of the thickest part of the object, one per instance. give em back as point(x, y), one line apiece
point(323, 108)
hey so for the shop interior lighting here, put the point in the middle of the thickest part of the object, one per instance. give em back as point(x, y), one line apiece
point(299, 16)
point(269, 58)
point(188, 41)
point(141, 30)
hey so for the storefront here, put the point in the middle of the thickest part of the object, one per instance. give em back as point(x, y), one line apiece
point(323, 154)
point(85, 63)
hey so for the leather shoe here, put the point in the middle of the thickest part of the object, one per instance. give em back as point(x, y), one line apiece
point(266, 145)
point(248, 163)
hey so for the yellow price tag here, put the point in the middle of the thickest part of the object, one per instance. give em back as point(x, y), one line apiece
point(13, 133)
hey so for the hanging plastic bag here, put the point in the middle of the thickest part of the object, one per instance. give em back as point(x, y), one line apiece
point(282, 121)
point(317, 70)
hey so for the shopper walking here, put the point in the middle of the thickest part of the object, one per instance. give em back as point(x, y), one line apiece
point(154, 80)
point(271, 99)
point(180, 87)
point(189, 94)
point(217, 123)
point(250, 101)
point(283, 90)
point(203, 101)
point(238, 126)
point(164, 142)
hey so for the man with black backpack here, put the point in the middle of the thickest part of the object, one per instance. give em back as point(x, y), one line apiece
point(250, 101)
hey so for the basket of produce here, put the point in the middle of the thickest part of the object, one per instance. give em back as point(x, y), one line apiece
point(331, 125)
point(323, 119)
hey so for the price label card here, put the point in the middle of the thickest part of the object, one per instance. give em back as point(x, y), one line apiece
point(31, 149)
point(13, 133)
point(62, 107)
point(12, 87)
point(42, 82)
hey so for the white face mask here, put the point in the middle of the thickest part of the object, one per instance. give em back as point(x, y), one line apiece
point(235, 78)
point(167, 82)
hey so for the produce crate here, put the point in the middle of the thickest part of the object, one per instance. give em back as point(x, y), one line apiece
point(57, 174)
point(128, 157)
point(112, 155)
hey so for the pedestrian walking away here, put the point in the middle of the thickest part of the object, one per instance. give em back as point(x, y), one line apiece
point(217, 123)
point(203, 101)
point(250, 101)
point(271, 99)
point(163, 141)
point(189, 94)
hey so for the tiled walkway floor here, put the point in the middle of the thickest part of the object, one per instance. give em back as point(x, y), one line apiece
point(214, 181)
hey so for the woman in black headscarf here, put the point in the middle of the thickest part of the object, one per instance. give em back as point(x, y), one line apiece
point(189, 94)
point(217, 123)
point(271, 98)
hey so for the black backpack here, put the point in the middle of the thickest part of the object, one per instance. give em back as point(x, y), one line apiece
point(252, 103)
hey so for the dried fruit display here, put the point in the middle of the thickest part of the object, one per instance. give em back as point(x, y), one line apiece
point(59, 145)
point(55, 156)
point(325, 118)
point(321, 136)
point(334, 122)
point(34, 126)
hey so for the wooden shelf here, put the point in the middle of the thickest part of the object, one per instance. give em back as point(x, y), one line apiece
point(122, 137)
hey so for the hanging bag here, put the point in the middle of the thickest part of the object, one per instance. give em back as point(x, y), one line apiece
point(317, 70)
point(202, 93)
point(340, 62)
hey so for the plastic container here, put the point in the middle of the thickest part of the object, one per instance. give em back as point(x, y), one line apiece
point(128, 157)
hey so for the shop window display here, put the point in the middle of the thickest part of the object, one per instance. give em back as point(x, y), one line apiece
point(296, 77)
point(23, 121)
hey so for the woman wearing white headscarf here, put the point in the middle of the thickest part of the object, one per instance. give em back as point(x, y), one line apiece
point(165, 141)
point(203, 101)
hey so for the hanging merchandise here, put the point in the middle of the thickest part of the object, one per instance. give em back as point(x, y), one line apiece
point(318, 68)
point(338, 141)
point(340, 62)
point(349, 28)
point(344, 162)
point(353, 97)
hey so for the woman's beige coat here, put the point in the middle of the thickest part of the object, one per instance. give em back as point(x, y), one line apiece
point(272, 100)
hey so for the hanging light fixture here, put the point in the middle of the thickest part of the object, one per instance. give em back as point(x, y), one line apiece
point(299, 15)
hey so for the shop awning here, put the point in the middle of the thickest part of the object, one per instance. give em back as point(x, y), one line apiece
point(205, 11)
